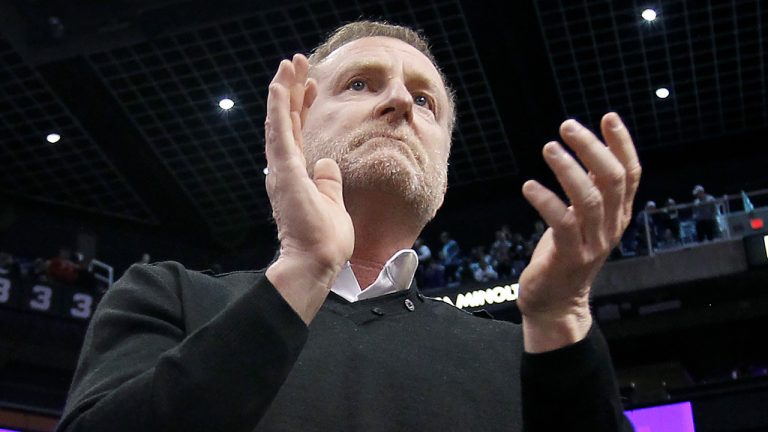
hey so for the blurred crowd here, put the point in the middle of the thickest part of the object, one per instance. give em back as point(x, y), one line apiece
point(449, 265)
point(66, 267)
point(673, 225)
point(660, 228)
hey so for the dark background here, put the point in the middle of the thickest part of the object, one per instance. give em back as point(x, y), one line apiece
point(149, 163)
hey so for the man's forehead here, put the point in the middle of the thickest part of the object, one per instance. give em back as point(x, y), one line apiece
point(380, 50)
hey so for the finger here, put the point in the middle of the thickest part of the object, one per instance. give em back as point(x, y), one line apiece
point(620, 143)
point(584, 195)
point(285, 74)
point(605, 170)
point(553, 210)
point(296, 130)
point(301, 68)
point(327, 177)
point(310, 93)
point(278, 127)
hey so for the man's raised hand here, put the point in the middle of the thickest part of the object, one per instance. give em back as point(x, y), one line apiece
point(554, 288)
point(314, 229)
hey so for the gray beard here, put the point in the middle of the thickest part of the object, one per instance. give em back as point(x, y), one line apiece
point(420, 185)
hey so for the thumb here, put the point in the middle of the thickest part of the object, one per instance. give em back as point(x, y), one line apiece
point(327, 178)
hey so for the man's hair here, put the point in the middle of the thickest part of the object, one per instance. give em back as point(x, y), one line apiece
point(363, 29)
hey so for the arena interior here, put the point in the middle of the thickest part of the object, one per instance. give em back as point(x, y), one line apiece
point(133, 131)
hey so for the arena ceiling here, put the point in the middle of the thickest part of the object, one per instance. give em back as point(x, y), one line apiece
point(132, 88)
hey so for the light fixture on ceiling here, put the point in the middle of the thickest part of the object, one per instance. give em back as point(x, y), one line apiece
point(662, 93)
point(649, 15)
point(226, 104)
point(53, 138)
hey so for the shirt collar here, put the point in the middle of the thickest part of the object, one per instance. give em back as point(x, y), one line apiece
point(397, 275)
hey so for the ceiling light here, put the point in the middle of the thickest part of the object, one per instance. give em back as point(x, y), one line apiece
point(662, 93)
point(649, 14)
point(53, 138)
point(226, 104)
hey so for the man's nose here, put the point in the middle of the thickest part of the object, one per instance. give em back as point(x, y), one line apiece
point(396, 105)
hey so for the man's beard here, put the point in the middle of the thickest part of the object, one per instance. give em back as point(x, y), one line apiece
point(370, 158)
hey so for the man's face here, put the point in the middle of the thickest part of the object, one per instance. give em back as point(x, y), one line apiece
point(382, 113)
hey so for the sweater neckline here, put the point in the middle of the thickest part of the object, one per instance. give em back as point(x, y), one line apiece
point(409, 301)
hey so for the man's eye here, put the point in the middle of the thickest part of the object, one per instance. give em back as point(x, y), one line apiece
point(421, 100)
point(357, 85)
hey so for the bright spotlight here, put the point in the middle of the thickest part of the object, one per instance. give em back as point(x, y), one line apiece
point(226, 104)
point(53, 138)
point(662, 93)
point(649, 14)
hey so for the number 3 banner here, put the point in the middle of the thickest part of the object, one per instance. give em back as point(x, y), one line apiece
point(47, 298)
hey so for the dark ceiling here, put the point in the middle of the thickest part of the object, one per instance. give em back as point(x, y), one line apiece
point(132, 87)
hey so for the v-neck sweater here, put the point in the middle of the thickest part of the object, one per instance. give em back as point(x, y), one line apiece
point(170, 349)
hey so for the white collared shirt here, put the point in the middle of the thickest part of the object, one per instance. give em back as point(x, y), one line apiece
point(396, 275)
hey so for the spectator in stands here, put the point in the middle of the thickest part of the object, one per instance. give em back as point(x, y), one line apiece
point(705, 214)
point(425, 256)
point(39, 271)
point(450, 256)
point(463, 272)
point(480, 266)
point(63, 268)
point(668, 219)
point(507, 231)
point(538, 231)
point(500, 256)
point(668, 240)
point(646, 229)
point(8, 265)
point(85, 278)
point(434, 275)
point(423, 251)
point(519, 254)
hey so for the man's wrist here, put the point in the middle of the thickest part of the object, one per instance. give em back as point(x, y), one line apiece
point(548, 332)
point(303, 283)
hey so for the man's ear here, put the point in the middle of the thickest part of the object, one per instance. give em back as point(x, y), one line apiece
point(310, 93)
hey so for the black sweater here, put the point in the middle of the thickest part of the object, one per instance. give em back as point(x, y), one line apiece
point(175, 350)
